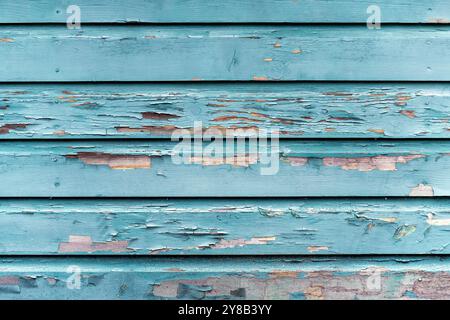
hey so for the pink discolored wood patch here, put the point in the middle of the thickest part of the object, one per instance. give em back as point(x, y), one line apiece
point(85, 244)
point(365, 164)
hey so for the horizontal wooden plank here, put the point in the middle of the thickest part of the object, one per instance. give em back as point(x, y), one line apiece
point(217, 227)
point(410, 11)
point(165, 53)
point(226, 278)
point(294, 168)
point(323, 110)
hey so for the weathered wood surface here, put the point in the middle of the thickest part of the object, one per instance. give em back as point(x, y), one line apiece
point(146, 168)
point(302, 110)
point(407, 277)
point(345, 179)
point(186, 53)
point(26, 11)
point(215, 227)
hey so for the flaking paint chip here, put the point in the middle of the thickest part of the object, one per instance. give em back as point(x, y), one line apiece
point(113, 161)
point(437, 222)
point(422, 190)
point(260, 78)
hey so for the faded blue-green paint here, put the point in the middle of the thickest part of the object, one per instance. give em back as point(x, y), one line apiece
point(306, 168)
point(319, 169)
point(410, 11)
point(165, 53)
point(302, 110)
point(408, 277)
point(216, 227)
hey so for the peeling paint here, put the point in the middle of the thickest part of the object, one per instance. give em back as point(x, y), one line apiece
point(314, 292)
point(404, 231)
point(365, 164)
point(317, 248)
point(236, 160)
point(169, 129)
point(437, 222)
point(227, 244)
point(439, 20)
point(234, 118)
point(408, 113)
point(159, 116)
point(296, 161)
point(174, 270)
point(158, 251)
point(276, 274)
point(310, 285)
point(113, 161)
point(85, 244)
point(380, 131)
point(60, 133)
point(338, 94)
point(422, 190)
point(250, 278)
point(163, 130)
point(9, 280)
point(158, 111)
point(432, 285)
point(402, 100)
point(388, 220)
point(6, 128)
point(51, 281)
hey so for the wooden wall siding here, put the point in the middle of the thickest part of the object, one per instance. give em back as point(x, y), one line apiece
point(220, 227)
point(87, 179)
point(407, 277)
point(186, 53)
point(297, 110)
point(146, 169)
point(410, 11)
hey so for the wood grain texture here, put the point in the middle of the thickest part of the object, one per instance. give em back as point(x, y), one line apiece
point(316, 240)
point(303, 110)
point(410, 11)
point(224, 227)
point(406, 277)
point(146, 168)
point(186, 53)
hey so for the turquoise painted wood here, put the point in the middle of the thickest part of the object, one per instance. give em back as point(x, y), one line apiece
point(147, 169)
point(410, 11)
point(87, 166)
point(224, 227)
point(251, 53)
point(296, 110)
point(407, 277)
